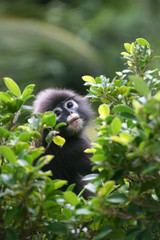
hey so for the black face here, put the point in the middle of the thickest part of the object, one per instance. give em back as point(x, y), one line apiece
point(71, 108)
point(68, 112)
point(64, 109)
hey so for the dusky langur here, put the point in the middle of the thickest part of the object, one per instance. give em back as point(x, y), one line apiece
point(70, 162)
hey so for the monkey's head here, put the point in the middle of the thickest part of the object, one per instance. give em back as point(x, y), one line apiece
point(69, 107)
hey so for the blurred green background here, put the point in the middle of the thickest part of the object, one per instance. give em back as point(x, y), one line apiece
point(53, 43)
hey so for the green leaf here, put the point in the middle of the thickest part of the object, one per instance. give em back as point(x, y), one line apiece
point(125, 54)
point(90, 150)
point(125, 137)
point(90, 177)
point(118, 140)
point(122, 90)
point(48, 204)
point(143, 42)
point(83, 211)
point(11, 234)
point(123, 108)
point(71, 198)
point(132, 236)
point(58, 140)
point(24, 137)
point(11, 214)
point(67, 213)
point(127, 46)
point(27, 91)
point(60, 125)
point(117, 235)
point(140, 85)
point(4, 133)
point(98, 157)
point(107, 188)
point(8, 154)
point(88, 79)
point(132, 48)
point(103, 232)
point(49, 119)
point(147, 234)
point(6, 178)
point(149, 168)
point(157, 96)
point(5, 97)
point(117, 198)
point(57, 228)
point(12, 86)
point(116, 126)
point(103, 111)
point(54, 185)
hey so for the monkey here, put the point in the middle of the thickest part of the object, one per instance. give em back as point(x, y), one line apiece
point(70, 162)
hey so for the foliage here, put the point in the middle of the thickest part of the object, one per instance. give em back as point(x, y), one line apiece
point(126, 152)
point(127, 149)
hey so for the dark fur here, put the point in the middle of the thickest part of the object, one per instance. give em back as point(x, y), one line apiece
point(70, 162)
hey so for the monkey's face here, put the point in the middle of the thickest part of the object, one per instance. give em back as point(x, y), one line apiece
point(68, 111)
point(69, 107)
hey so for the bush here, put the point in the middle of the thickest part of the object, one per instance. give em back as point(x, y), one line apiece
point(126, 152)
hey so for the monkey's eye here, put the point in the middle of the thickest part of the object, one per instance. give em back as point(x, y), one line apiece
point(71, 104)
point(57, 111)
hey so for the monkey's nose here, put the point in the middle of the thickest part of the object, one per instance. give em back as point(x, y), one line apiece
point(69, 113)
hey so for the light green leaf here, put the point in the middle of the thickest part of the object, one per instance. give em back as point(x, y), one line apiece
point(132, 47)
point(59, 183)
point(90, 150)
point(125, 54)
point(5, 97)
point(116, 126)
point(88, 79)
point(143, 42)
point(157, 96)
point(98, 157)
point(8, 154)
point(103, 111)
point(71, 198)
point(137, 105)
point(12, 86)
point(27, 91)
point(58, 140)
point(140, 85)
point(125, 137)
point(127, 46)
point(24, 137)
point(118, 140)
point(107, 188)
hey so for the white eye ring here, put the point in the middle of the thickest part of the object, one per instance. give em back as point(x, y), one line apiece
point(57, 111)
point(70, 104)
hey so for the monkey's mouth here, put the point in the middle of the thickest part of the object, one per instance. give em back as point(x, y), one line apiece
point(74, 122)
